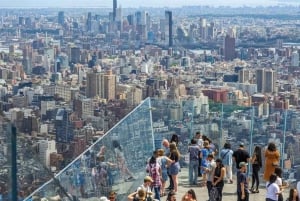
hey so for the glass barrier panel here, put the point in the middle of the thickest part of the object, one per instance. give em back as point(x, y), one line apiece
point(116, 162)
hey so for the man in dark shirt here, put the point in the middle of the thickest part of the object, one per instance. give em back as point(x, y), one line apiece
point(242, 183)
point(240, 155)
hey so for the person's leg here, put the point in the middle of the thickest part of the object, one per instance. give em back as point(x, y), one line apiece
point(191, 172)
point(230, 173)
point(157, 193)
point(209, 186)
point(220, 191)
point(196, 166)
point(253, 179)
point(171, 184)
point(227, 173)
point(175, 182)
point(256, 178)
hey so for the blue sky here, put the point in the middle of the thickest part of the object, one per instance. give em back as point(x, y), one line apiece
point(139, 3)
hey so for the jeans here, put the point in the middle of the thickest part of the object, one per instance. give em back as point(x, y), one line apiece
point(199, 167)
point(193, 171)
point(157, 193)
point(209, 187)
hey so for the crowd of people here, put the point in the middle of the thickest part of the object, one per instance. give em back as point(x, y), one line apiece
point(214, 171)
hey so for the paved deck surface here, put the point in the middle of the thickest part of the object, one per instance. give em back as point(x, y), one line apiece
point(229, 191)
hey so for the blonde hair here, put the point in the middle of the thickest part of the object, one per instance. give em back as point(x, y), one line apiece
point(173, 149)
point(160, 152)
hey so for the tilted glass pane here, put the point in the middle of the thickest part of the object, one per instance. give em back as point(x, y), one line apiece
point(116, 162)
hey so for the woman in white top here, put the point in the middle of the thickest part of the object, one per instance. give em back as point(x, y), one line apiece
point(273, 189)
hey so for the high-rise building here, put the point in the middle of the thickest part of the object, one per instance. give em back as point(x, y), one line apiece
point(109, 87)
point(130, 19)
point(63, 126)
point(169, 20)
point(270, 79)
point(295, 59)
point(229, 48)
point(94, 84)
point(114, 10)
point(244, 75)
point(260, 80)
point(203, 28)
point(265, 80)
point(61, 17)
point(89, 22)
point(45, 148)
point(75, 55)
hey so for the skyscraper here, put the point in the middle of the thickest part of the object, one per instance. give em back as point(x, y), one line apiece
point(75, 55)
point(229, 48)
point(244, 75)
point(94, 84)
point(61, 17)
point(89, 22)
point(260, 80)
point(114, 10)
point(270, 79)
point(265, 80)
point(168, 16)
point(109, 87)
point(63, 126)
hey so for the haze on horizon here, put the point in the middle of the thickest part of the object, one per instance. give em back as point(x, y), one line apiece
point(138, 3)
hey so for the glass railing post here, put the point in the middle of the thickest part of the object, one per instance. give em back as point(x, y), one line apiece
point(14, 187)
point(221, 130)
point(284, 136)
point(251, 137)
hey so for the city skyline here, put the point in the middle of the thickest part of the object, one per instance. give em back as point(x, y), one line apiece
point(136, 3)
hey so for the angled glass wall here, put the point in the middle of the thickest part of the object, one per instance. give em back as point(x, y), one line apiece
point(115, 162)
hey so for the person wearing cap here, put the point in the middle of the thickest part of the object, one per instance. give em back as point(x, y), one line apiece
point(242, 182)
point(146, 186)
point(240, 155)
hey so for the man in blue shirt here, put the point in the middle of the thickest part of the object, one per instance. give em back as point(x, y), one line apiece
point(242, 183)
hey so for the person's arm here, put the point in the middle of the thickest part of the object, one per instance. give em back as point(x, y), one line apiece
point(131, 196)
point(233, 157)
point(243, 190)
point(169, 161)
point(221, 177)
point(253, 158)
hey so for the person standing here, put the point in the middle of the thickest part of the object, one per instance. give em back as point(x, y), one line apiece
point(272, 157)
point(210, 169)
point(174, 167)
point(242, 183)
point(166, 147)
point(240, 155)
point(218, 178)
point(154, 170)
point(164, 162)
point(194, 152)
point(272, 188)
point(293, 195)
point(226, 156)
point(256, 161)
point(199, 140)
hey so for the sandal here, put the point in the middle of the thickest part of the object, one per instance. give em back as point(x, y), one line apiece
point(162, 194)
